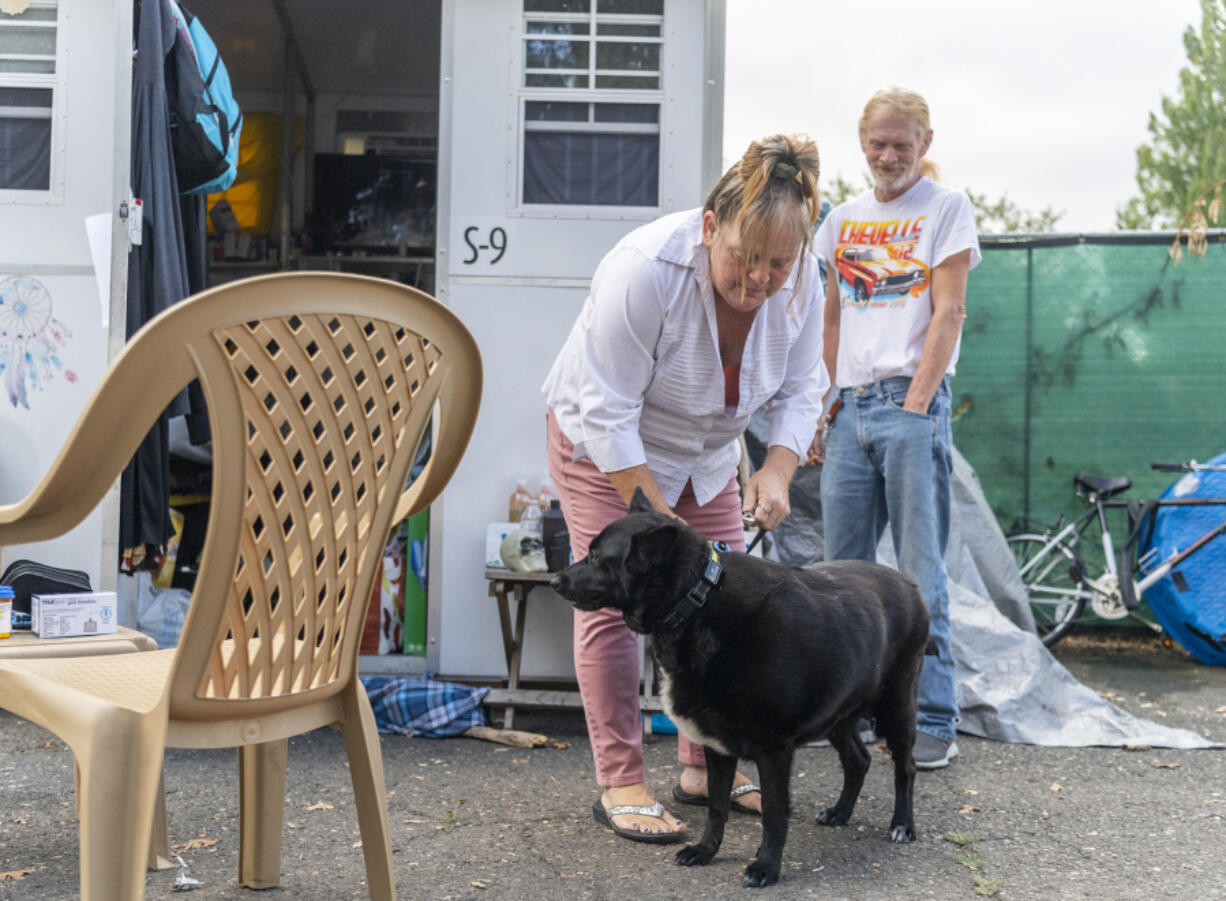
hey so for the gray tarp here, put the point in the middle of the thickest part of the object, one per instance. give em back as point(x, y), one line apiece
point(1010, 687)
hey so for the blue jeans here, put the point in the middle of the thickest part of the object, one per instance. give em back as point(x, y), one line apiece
point(886, 464)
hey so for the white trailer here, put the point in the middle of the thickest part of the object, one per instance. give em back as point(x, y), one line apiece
point(555, 126)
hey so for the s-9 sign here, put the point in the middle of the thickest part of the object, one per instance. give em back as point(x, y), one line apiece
point(492, 244)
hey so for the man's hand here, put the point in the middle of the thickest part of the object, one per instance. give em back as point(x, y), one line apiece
point(817, 450)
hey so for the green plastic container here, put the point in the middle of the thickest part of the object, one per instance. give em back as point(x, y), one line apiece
point(415, 554)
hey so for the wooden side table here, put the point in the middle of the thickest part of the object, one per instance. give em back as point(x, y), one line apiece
point(23, 643)
point(503, 583)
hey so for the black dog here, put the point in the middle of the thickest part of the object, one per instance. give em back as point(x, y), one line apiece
point(758, 657)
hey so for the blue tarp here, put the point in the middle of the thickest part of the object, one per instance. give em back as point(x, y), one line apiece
point(1190, 602)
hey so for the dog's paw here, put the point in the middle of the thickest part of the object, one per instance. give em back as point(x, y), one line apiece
point(902, 834)
point(695, 856)
point(833, 816)
point(760, 875)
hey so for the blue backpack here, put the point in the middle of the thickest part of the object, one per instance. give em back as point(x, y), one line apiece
point(205, 121)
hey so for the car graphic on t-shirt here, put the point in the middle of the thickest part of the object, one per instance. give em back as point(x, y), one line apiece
point(871, 270)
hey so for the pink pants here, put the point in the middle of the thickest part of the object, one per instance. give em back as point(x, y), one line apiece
point(606, 650)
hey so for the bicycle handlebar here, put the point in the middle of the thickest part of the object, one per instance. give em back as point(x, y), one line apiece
point(1190, 466)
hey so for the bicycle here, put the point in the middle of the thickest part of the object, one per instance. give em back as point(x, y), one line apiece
point(1056, 574)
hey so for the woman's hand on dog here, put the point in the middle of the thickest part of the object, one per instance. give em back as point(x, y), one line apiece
point(627, 480)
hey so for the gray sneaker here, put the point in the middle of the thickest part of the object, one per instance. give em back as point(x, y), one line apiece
point(931, 753)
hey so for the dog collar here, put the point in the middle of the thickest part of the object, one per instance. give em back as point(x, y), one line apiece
point(696, 597)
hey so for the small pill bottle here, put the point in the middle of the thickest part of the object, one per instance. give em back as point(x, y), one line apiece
point(6, 611)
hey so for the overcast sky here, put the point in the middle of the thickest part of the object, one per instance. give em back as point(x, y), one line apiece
point(1045, 101)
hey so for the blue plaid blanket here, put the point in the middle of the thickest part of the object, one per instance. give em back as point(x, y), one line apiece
point(423, 706)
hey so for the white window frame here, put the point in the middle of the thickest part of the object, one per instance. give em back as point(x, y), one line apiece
point(57, 82)
point(588, 95)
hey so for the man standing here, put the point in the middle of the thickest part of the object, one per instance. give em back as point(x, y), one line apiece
point(899, 255)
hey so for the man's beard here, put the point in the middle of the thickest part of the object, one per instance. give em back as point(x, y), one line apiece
point(894, 179)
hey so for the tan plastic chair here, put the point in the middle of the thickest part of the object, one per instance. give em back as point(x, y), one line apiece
point(21, 645)
point(319, 387)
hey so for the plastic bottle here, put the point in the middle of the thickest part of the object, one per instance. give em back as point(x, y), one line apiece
point(556, 538)
point(530, 520)
point(6, 611)
point(519, 500)
point(545, 496)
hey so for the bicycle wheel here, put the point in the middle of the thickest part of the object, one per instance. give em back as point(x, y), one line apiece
point(1053, 580)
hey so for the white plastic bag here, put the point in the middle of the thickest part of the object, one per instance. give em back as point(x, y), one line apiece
point(160, 612)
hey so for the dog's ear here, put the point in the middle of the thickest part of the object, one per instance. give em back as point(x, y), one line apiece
point(657, 543)
point(639, 503)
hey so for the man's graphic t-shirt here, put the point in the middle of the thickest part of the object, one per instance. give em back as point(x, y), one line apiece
point(882, 255)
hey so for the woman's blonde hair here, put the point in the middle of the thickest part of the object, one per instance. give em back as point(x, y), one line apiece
point(909, 105)
point(773, 186)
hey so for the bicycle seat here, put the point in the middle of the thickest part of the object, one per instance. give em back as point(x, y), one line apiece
point(1101, 486)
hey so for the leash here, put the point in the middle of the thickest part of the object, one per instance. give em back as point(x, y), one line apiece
point(754, 543)
point(748, 520)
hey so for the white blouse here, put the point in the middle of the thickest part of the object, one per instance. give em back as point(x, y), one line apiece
point(639, 379)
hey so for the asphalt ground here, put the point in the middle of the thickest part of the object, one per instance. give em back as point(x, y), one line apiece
point(472, 819)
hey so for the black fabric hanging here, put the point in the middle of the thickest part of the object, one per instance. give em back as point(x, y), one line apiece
point(195, 239)
point(158, 268)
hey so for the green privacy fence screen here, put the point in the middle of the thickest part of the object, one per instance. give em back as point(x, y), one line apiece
point(1088, 354)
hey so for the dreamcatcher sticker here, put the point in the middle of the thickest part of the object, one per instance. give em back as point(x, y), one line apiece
point(30, 339)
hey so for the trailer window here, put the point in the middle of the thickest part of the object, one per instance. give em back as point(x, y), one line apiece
point(591, 89)
point(28, 82)
point(597, 154)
